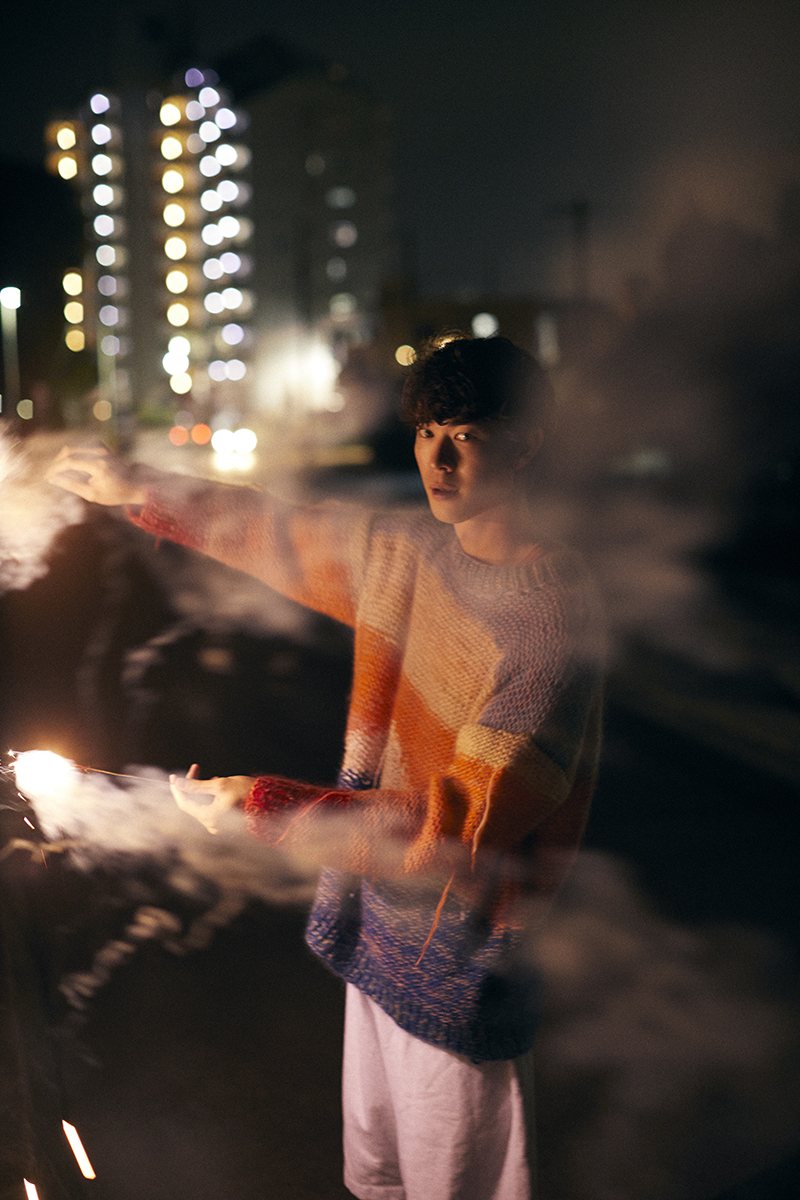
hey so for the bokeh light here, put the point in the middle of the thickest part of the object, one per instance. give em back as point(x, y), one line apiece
point(177, 282)
point(67, 167)
point(181, 383)
point(72, 283)
point(175, 248)
point(75, 339)
point(174, 215)
point(102, 410)
point(65, 137)
point(405, 355)
point(178, 314)
point(171, 147)
point(73, 312)
point(25, 410)
point(172, 181)
point(178, 435)
point(170, 114)
point(201, 434)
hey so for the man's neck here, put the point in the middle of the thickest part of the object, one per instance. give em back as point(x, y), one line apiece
point(500, 537)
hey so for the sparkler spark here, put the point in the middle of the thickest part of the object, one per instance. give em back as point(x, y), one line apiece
point(77, 1149)
point(43, 773)
point(30, 1190)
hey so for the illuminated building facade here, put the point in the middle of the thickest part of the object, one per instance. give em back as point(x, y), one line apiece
point(163, 294)
point(324, 236)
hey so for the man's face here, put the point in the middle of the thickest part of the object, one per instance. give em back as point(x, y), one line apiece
point(467, 470)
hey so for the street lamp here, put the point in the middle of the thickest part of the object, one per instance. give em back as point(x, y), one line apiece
point(10, 300)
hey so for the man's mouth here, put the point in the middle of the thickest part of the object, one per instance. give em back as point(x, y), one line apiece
point(440, 490)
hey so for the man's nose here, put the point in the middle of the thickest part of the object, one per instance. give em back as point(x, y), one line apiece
point(445, 454)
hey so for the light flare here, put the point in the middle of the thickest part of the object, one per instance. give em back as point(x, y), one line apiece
point(43, 773)
point(82, 1158)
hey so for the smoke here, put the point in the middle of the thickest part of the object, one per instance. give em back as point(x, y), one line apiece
point(31, 516)
point(668, 1061)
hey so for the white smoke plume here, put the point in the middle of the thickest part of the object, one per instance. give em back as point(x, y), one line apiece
point(31, 516)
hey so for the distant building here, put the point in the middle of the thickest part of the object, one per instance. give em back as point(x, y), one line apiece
point(162, 295)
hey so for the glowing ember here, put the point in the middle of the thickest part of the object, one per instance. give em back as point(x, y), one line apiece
point(30, 1190)
point(42, 773)
point(78, 1150)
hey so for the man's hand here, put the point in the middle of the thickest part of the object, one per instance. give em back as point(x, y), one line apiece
point(226, 792)
point(96, 474)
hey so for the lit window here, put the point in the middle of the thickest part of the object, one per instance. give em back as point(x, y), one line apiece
point(174, 215)
point(178, 314)
point(110, 345)
point(340, 197)
point(195, 111)
point(67, 167)
point(101, 164)
point(181, 383)
point(209, 131)
point(225, 118)
point(344, 234)
point(485, 325)
point(342, 305)
point(175, 248)
point(103, 194)
point(336, 269)
point(232, 335)
point(72, 283)
point(228, 191)
point(170, 114)
point(213, 268)
point(73, 312)
point(106, 256)
point(99, 103)
point(210, 201)
point(230, 262)
point(171, 147)
point(224, 154)
point(107, 285)
point(109, 314)
point(209, 166)
point(75, 339)
point(214, 303)
point(101, 134)
point(104, 225)
point(172, 181)
point(65, 137)
point(174, 363)
point(208, 96)
point(229, 227)
point(177, 282)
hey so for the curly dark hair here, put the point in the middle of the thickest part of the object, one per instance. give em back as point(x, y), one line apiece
point(463, 379)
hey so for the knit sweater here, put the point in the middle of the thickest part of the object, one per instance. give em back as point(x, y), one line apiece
point(470, 756)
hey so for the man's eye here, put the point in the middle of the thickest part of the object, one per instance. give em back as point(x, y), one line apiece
point(463, 437)
point(424, 433)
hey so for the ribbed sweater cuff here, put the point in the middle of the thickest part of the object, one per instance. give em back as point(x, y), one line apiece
point(274, 796)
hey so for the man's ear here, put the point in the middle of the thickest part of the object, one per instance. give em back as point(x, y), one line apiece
point(530, 446)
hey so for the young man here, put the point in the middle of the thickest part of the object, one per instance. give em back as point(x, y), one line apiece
point(470, 757)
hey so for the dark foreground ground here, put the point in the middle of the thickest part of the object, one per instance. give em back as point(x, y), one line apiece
point(669, 1056)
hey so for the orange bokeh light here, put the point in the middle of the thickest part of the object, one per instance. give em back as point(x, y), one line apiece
point(201, 435)
point(179, 435)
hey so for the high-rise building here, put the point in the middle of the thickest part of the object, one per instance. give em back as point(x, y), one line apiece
point(163, 294)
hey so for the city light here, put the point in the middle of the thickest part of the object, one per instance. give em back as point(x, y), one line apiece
point(172, 181)
point(102, 164)
point(225, 118)
point(175, 248)
point(99, 103)
point(73, 312)
point(228, 191)
point(178, 314)
point(107, 285)
point(102, 410)
point(171, 147)
point(10, 297)
point(67, 167)
point(177, 282)
point(181, 383)
point(209, 131)
point(169, 114)
point(211, 235)
point(106, 256)
point(232, 335)
point(195, 112)
point(211, 201)
point(101, 134)
point(174, 215)
point(179, 345)
point(209, 166)
point(175, 363)
point(75, 339)
point(72, 283)
point(201, 434)
point(230, 227)
point(225, 154)
point(109, 314)
point(230, 262)
point(178, 435)
point(405, 355)
point(110, 345)
point(104, 225)
point(65, 137)
point(208, 96)
point(103, 195)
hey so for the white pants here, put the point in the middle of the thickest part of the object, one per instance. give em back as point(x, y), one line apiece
point(421, 1123)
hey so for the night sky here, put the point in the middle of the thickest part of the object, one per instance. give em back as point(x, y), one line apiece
point(503, 113)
